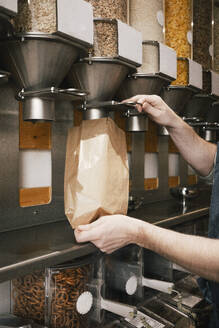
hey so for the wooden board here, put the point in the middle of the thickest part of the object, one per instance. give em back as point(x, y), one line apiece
point(150, 183)
point(35, 196)
point(173, 181)
point(78, 116)
point(172, 147)
point(34, 135)
point(192, 179)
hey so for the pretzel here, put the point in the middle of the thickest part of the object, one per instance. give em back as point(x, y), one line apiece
point(28, 294)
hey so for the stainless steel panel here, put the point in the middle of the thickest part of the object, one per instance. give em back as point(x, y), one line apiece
point(137, 160)
point(75, 18)
point(12, 216)
point(5, 297)
point(162, 193)
point(9, 144)
point(26, 250)
point(129, 43)
point(8, 7)
point(215, 83)
point(183, 171)
point(163, 164)
point(168, 61)
point(195, 74)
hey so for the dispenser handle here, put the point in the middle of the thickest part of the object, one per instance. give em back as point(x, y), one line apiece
point(122, 310)
point(162, 286)
point(73, 91)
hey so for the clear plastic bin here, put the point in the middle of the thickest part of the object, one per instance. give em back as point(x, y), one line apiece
point(178, 31)
point(49, 297)
point(148, 18)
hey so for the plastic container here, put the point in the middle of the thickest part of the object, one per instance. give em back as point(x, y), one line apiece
point(28, 297)
point(105, 38)
point(64, 284)
point(150, 60)
point(178, 31)
point(216, 36)
point(36, 16)
point(202, 32)
point(71, 19)
point(189, 73)
point(49, 297)
point(116, 9)
point(113, 38)
point(147, 17)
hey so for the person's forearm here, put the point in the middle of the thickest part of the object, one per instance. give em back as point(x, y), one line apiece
point(197, 254)
point(195, 150)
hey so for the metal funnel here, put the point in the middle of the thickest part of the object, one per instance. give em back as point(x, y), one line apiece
point(142, 84)
point(198, 107)
point(101, 76)
point(37, 61)
point(177, 97)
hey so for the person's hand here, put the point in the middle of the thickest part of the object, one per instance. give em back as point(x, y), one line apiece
point(156, 109)
point(109, 233)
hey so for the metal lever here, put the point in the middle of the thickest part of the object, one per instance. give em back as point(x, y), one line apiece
point(125, 311)
point(162, 286)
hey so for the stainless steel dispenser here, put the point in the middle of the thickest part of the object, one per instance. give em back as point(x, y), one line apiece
point(210, 124)
point(39, 61)
point(189, 81)
point(199, 107)
point(103, 75)
point(126, 281)
point(158, 70)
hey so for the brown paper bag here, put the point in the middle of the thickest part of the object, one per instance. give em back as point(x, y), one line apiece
point(96, 172)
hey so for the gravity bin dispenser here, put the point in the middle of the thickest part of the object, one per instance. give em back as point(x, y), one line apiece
point(129, 282)
point(38, 63)
point(158, 70)
point(96, 301)
point(201, 112)
point(103, 75)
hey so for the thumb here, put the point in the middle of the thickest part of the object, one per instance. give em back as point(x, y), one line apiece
point(87, 227)
point(84, 227)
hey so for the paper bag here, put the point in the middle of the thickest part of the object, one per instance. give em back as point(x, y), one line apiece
point(96, 172)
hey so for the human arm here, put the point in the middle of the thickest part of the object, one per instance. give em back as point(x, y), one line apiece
point(196, 151)
point(197, 254)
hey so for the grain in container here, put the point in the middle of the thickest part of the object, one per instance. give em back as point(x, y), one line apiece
point(147, 17)
point(178, 30)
